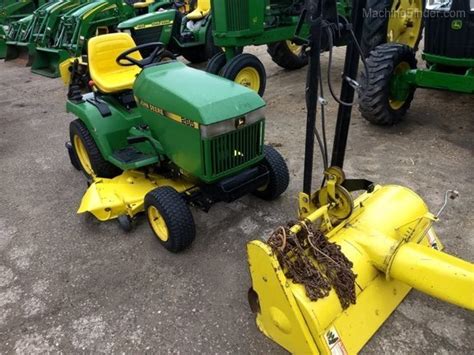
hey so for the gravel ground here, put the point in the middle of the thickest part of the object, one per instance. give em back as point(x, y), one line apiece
point(71, 284)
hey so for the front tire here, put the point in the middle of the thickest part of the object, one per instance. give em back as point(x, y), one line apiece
point(378, 104)
point(170, 218)
point(288, 55)
point(88, 154)
point(278, 178)
point(247, 70)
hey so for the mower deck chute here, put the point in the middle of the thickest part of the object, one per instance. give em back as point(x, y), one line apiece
point(124, 195)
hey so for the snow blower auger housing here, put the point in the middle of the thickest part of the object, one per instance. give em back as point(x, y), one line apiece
point(326, 283)
point(160, 137)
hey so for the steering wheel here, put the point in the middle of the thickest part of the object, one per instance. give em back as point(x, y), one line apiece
point(125, 60)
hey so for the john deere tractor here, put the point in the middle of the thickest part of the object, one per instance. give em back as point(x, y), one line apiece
point(185, 30)
point(279, 25)
point(148, 141)
point(92, 18)
point(393, 75)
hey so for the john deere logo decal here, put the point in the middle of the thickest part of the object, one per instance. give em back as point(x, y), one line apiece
point(456, 24)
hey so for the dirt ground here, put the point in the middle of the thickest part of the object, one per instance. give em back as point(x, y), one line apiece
point(71, 284)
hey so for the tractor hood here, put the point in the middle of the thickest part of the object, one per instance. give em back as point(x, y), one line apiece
point(193, 94)
point(154, 19)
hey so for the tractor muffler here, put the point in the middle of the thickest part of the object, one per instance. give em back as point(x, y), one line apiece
point(47, 60)
point(390, 242)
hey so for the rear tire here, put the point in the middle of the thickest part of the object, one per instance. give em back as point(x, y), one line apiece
point(88, 154)
point(287, 55)
point(170, 218)
point(376, 28)
point(279, 177)
point(377, 104)
point(247, 70)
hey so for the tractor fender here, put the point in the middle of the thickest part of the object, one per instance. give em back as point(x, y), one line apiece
point(110, 133)
point(163, 23)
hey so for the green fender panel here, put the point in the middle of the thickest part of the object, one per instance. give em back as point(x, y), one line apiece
point(110, 133)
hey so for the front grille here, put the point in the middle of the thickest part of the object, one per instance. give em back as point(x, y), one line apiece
point(234, 149)
point(237, 15)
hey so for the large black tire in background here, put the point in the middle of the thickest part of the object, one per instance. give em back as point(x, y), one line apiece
point(204, 52)
point(216, 63)
point(279, 177)
point(166, 204)
point(375, 27)
point(288, 55)
point(247, 70)
point(78, 134)
point(376, 103)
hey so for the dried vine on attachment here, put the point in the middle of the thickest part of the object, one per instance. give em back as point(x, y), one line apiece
point(310, 259)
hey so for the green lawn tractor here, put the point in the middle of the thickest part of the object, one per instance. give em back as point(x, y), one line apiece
point(77, 26)
point(449, 55)
point(276, 23)
point(38, 31)
point(148, 141)
point(184, 33)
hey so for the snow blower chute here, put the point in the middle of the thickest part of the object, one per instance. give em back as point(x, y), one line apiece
point(327, 282)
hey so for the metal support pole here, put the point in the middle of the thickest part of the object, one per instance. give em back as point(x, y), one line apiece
point(351, 66)
point(312, 82)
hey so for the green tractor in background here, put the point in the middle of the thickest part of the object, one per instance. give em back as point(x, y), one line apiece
point(36, 30)
point(11, 11)
point(187, 33)
point(275, 23)
point(77, 26)
point(148, 141)
point(393, 75)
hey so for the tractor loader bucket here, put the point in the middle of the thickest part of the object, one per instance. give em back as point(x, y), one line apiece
point(3, 44)
point(21, 51)
point(391, 243)
point(47, 60)
point(123, 195)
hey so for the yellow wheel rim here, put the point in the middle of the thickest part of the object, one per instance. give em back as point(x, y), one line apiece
point(404, 24)
point(249, 77)
point(294, 48)
point(399, 69)
point(82, 155)
point(158, 224)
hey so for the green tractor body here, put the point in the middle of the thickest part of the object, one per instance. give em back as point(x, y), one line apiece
point(169, 27)
point(449, 56)
point(195, 128)
point(39, 31)
point(73, 31)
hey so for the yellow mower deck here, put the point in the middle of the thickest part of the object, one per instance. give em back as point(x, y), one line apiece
point(124, 195)
point(386, 238)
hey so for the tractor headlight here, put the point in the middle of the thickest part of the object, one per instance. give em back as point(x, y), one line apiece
point(439, 4)
point(216, 129)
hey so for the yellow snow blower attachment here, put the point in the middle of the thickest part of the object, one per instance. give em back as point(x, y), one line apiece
point(326, 283)
point(390, 243)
